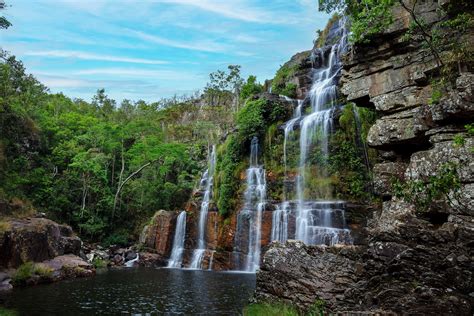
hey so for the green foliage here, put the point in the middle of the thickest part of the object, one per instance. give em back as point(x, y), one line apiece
point(67, 158)
point(250, 88)
point(29, 269)
point(317, 309)
point(425, 193)
point(23, 273)
point(368, 17)
point(4, 23)
point(459, 140)
point(347, 161)
point(267, 309)
point(322, 35)
point(99, 263)
point(435, 97)
point(251, 120)
point(280, 84)
point(119, 238)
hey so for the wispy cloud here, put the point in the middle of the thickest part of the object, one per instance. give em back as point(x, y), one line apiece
point(141, 73)
point(90, 56)
point(233, 10)
point(206, 46)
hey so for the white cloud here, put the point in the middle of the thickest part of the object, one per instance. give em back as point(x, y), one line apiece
point(141, 73)
point(199, 46)
point(234, 10)
point(89, 56)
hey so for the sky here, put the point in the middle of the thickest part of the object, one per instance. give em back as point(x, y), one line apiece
point(151, 49)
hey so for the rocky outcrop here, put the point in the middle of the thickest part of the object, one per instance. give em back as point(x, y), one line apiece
point(43, 250)
point(416, 260)
point(158, 235)
point(35, 239)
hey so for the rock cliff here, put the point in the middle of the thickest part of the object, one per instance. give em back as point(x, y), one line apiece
point(418, 259)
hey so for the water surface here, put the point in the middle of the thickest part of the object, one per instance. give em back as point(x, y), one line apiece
point(138, 291)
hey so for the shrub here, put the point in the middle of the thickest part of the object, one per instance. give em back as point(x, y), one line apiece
point(99, 263)
point(424, 193)
point(118, 238)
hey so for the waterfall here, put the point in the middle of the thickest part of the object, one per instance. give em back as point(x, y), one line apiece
point(178, 242)
point(280, 222)
point(315, 222)
point(250, 216)
point(131, 263)
point(206, 182)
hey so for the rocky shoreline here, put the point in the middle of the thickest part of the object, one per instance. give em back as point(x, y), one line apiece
point(37, 250)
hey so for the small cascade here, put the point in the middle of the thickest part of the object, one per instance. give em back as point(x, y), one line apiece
point(131, 263)
point(249, 222)
point(289, 128)
point(178, 242)
point(280, 222)
point(207, 183)
point(314, 222)
point(211, 260)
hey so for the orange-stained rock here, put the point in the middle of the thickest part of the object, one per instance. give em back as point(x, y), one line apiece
point(159, 234)
point(266, 228)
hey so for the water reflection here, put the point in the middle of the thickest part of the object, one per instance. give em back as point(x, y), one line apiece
point(138, 291)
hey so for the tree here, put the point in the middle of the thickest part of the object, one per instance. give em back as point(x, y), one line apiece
point(251, 87)
point(4, 23)
point(224, 88)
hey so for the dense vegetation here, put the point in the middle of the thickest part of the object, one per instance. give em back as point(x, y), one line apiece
point(101, 166)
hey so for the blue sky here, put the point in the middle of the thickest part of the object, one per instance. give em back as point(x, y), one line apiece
point(157, 48)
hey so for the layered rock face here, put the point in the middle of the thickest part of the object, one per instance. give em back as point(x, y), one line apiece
point(417, 260)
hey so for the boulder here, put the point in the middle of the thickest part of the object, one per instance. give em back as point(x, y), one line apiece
point(35, 239)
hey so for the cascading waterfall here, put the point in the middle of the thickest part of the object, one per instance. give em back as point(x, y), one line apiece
point(178, 242)
point(207, 182)
point(316, 222)
point(251, 214)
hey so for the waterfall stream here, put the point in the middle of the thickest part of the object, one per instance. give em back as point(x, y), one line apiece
point(178, 242)
point(207, 183)
point(320, 221)
point(251, 214)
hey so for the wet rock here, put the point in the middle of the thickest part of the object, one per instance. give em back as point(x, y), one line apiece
point(130, 255)
point(148, 259)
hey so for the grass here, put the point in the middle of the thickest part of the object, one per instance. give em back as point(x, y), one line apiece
point(266, 309)
point(28, 270)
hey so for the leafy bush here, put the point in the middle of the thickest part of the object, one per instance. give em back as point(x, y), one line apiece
point(250, 88)
point(425, 193)
point(99, 263)
point(280, 84)
point(368, 17)
point(118, 238)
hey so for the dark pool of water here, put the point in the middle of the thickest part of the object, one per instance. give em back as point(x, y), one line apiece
point(142, 291)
